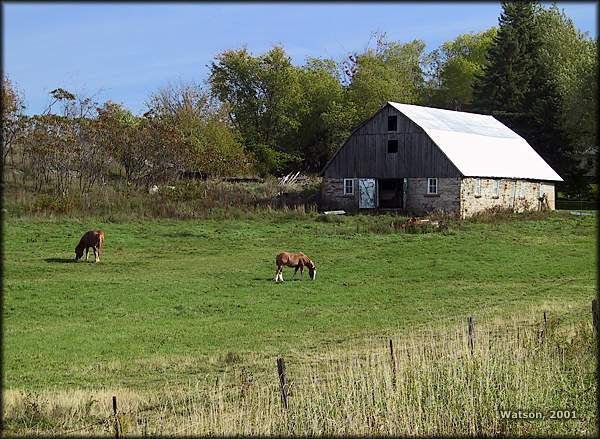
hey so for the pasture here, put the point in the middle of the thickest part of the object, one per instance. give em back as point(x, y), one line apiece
point(176, 302)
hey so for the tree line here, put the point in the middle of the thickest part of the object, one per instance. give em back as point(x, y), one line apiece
point(261, 114)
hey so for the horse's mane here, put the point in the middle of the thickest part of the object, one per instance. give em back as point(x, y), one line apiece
point(307, 261)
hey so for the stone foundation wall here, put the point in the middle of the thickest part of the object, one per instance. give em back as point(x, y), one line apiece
point(333, 198)
point(455, 196)
point(447, 199)
point(520, 195)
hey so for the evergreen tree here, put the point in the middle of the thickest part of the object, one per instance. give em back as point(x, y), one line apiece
point(517, 86)
point(505, 81)
point(543, 126)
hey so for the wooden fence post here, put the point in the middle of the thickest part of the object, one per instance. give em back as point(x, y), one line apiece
point(114, 400)
point(282, 382)
point(472, 333)
point(595, 314)
point(393, 358)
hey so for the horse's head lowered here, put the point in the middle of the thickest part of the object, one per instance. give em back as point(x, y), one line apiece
point(78, 252)
point(312, 269)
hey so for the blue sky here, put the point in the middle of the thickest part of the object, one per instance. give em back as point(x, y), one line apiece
point(125, 51)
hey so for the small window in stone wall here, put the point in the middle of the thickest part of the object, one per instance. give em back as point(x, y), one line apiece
point(496, 188)
point(392, 146)
point(348, 186)
point(432, 186)
point(477, 190)
point(541, 190)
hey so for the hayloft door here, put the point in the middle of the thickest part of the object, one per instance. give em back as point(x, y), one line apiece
point(367, 193)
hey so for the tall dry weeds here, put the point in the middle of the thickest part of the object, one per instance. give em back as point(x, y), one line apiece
point(434, 385)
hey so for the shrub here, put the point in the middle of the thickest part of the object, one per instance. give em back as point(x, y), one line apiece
point(232, 358)
point(499, 214)
point(54, 204)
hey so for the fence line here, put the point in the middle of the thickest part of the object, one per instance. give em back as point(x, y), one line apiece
point(322, 375)
point(576, 204)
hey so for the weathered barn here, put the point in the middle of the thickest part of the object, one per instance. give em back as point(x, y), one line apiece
point(422, 159)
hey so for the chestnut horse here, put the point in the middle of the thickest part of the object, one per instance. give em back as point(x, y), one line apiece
point(92, 238)
point(296, 260)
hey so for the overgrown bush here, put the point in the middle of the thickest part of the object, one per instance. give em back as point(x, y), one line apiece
point(53, 204)
point(184, 199)
point(498, 214)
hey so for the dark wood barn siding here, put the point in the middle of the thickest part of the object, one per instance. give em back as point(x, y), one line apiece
point(365, 153)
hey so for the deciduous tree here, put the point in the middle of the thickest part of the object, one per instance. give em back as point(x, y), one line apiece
point(392, 71)
point(572, 59)
point(260, 93)
point(453, 69)
point(117, 126)
point(321, 91)
point(12, 119)
point(214, 147)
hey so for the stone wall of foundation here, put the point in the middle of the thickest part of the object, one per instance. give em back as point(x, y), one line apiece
point(447, 200)
point(333, 198)
point(519, 195)
point(455, 196)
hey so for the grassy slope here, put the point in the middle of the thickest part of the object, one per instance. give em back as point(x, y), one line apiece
point(171, 292)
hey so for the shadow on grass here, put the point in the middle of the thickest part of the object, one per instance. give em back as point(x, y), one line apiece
point(285, 280)
point(60, 260)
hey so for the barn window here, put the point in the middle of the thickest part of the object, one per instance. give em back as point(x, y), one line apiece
point(392, 123)
point(432, 186)
point(348, 186)
point(496, 188)
point(541, 190)
point(477, 190)
point(392, 146)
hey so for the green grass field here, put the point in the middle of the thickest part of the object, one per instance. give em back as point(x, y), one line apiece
point(172, 300)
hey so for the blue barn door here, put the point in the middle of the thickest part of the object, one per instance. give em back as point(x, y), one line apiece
point(367, 193)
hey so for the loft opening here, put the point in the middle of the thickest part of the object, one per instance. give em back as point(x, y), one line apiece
point(393, 123)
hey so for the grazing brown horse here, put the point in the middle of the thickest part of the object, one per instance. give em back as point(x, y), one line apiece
point(296, 260)
point(94, 239)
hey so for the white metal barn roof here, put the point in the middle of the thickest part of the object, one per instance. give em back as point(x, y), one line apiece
point(479, 145)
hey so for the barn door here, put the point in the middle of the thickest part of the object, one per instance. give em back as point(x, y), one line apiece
point(404, 192)
point(367, 193)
